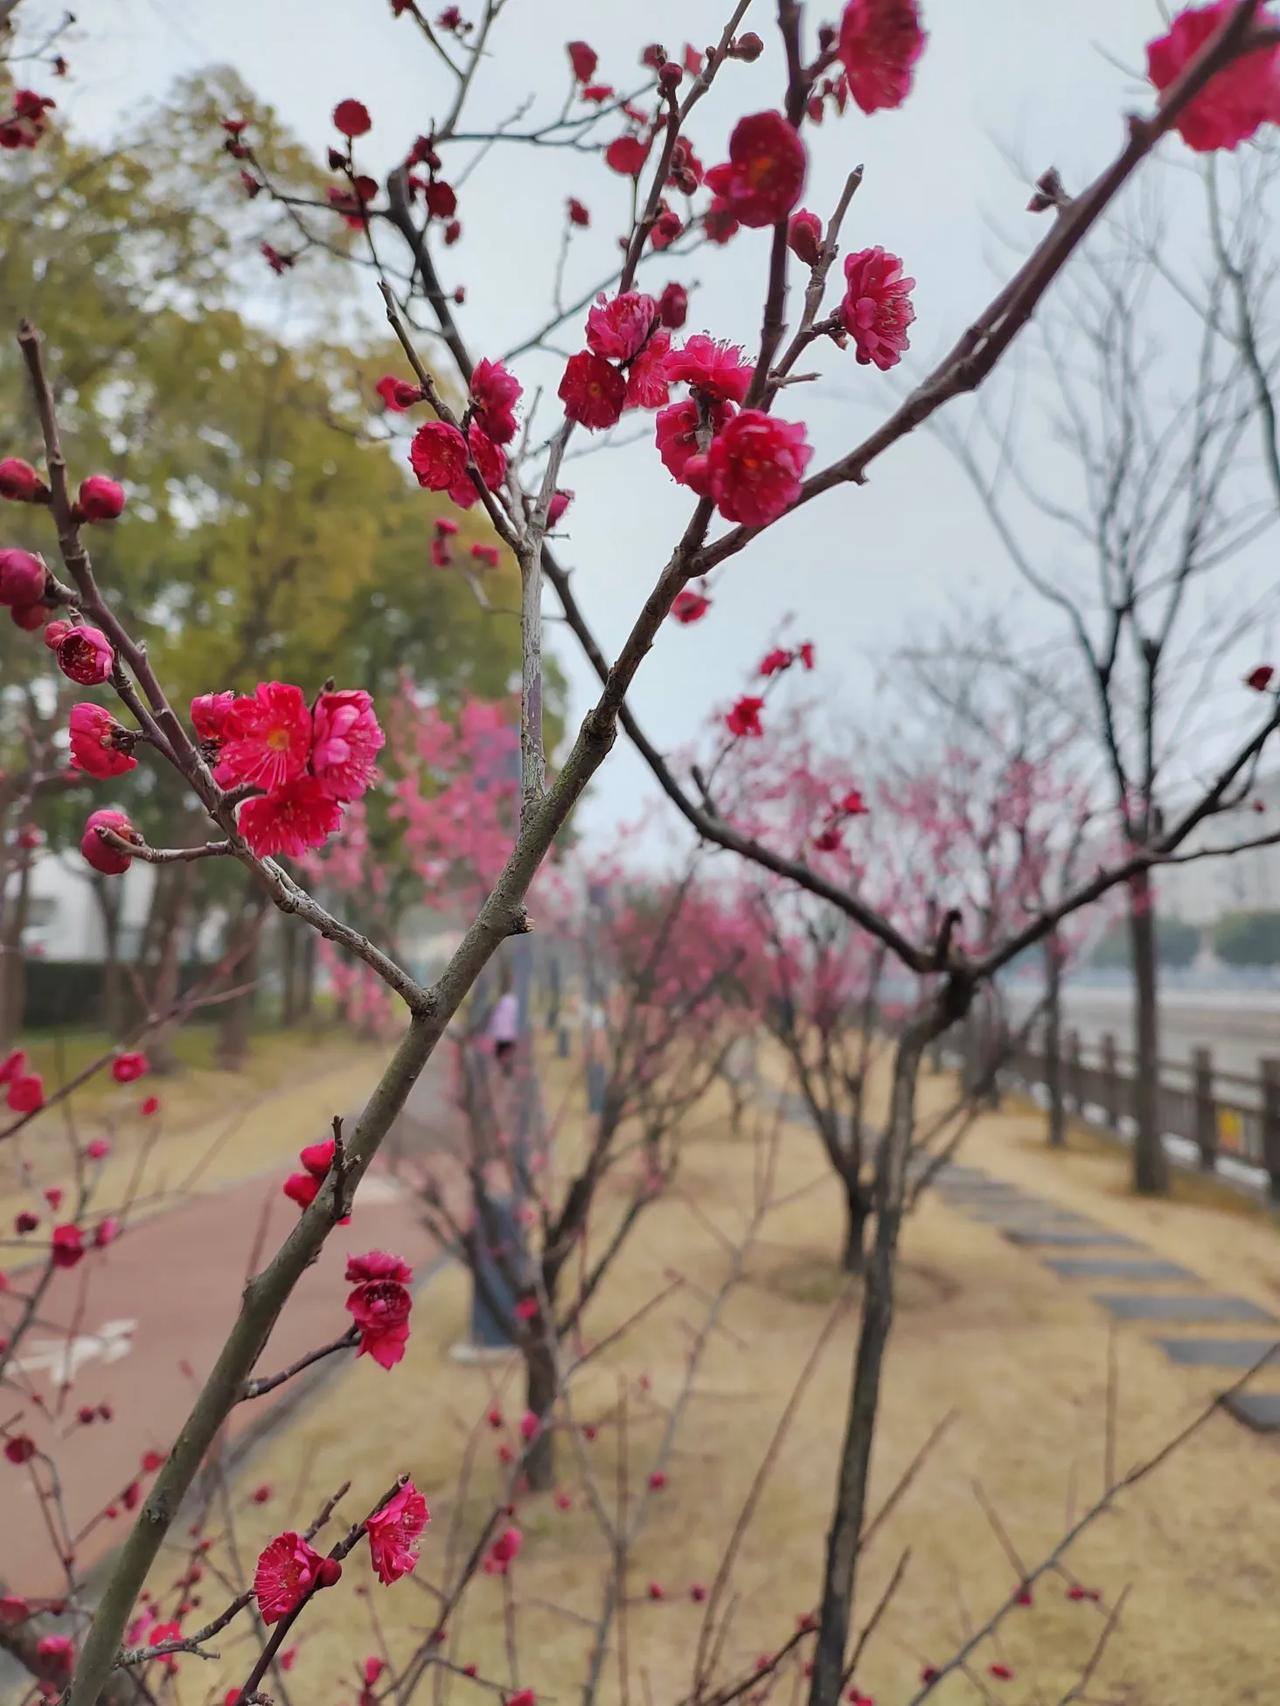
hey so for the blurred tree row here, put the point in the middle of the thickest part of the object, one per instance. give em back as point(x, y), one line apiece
point(1248, 938)
point(273, 529)
point(1238, 939)
point(1176, 945)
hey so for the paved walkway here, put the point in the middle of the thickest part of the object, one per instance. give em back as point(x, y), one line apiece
point(160, 1302)
point(1156, 1292)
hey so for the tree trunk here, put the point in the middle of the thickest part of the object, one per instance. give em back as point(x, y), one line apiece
point(290, 968)
point(1053, 1041)
point(149, 939)
point(1150, 1164)
point(540, 1397)
point(307, 979)
point(845, 1534)
point(13, 971)
point(857, 1212)
point(233, 1033)
point(163, 987)
point(971, 1051)
point(107, 894)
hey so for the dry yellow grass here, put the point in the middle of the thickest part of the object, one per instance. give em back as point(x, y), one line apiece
point(213, 1126)
point(985, 1331)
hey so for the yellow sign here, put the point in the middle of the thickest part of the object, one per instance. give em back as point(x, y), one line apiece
point(1230, 1129)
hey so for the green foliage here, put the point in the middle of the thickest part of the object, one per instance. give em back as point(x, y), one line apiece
point(1176, 945)
point(1248, 938)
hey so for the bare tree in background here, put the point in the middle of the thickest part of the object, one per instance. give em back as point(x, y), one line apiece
point(1007, 707)
point(1152, 497)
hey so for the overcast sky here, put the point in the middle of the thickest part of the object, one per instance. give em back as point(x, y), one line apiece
point(862, 570)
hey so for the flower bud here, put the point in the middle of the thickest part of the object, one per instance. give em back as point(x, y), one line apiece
point(97, 852)
point(209, 714)
point(100, 499)
point(22, 578)
point(804, 236)
point(673, 306)
point(19, 481)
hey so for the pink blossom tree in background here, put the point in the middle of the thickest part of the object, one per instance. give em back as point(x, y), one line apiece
point(432, 840)
point(988, 833)
point(277, 769)
point(539, 1224)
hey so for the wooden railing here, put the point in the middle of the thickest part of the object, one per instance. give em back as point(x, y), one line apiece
point(1222, 1113)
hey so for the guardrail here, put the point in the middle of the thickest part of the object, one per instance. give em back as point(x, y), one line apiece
point(1223, 1114)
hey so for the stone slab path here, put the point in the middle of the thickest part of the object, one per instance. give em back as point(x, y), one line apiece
point(1216, 1353)
point(1257, 1410)
point(1045, 1228)
point(1080, 1238)
point(1118, 1268)
point(1133, 1307)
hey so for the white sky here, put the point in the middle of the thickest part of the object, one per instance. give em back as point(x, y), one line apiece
point(863, 570)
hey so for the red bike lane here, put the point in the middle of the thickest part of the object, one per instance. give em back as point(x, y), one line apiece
point(156, 1310)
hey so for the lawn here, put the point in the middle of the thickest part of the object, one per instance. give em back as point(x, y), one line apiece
point(986, 1335)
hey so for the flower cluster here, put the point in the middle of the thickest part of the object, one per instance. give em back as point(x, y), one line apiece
point(850, 804)
point(308, 762)
point(443, 460)
point(780, 658)
point(624, 363)
point(380, 1305)
point(749, 463)
point(744, 716)
point(495, 391)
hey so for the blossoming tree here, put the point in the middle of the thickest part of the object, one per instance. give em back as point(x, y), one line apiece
point(276, 770)
point(547, 1211)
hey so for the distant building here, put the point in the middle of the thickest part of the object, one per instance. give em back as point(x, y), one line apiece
point(64, 919)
